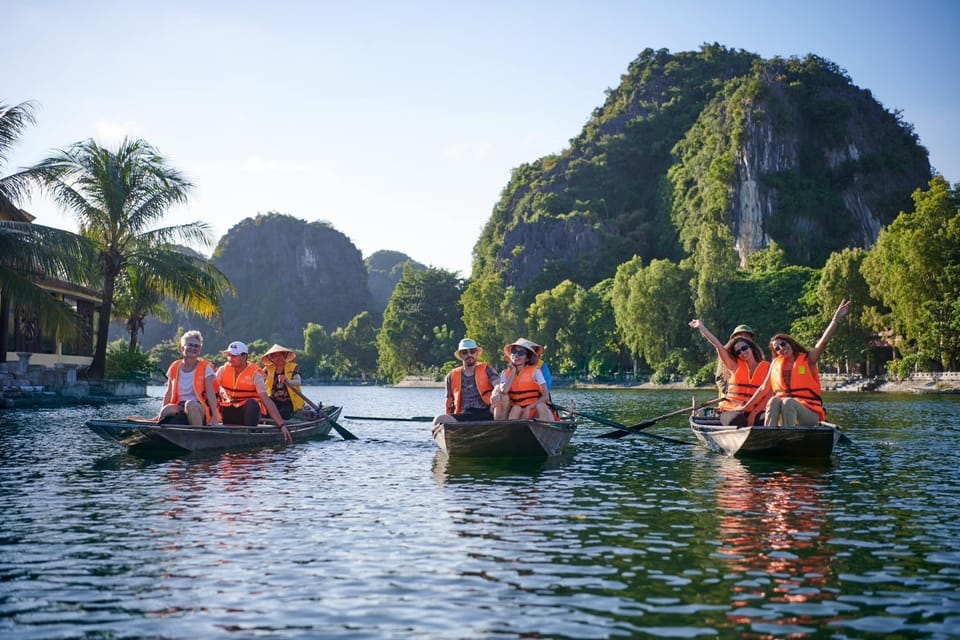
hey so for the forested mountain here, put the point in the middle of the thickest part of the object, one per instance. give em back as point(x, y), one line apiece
point(717, 141)
point(287, 273)
point(384, 270)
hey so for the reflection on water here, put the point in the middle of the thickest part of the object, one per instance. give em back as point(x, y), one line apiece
point(387, 537)
point(773, 531)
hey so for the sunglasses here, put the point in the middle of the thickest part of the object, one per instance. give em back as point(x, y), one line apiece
point(464, 352)
point(742, 348)
point(191, 345)
point(781, 345)
point(519, 352)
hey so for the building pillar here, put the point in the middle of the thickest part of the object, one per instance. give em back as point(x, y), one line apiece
point(24, 362)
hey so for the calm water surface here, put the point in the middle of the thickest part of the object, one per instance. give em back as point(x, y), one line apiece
point(384, 537)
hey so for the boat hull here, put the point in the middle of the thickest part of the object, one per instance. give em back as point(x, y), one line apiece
point(145, 437)
point(504, 438)
point(767, 442)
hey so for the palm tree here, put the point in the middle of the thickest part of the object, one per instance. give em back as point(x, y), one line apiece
point(117, 197)
point(158, 274)
point(28, 250)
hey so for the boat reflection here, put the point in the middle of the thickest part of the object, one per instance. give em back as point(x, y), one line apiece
point(772, 522)
point(447, 470)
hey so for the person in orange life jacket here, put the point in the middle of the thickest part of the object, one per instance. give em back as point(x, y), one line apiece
point(746, 370)
point(241, 385)
point(722, 375)
point(469, 387)
point(280, 370)
point(541, 364)
point(191, 396)
point(795, 380)
point(522, 393)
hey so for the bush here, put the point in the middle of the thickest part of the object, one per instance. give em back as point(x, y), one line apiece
point(123, 364)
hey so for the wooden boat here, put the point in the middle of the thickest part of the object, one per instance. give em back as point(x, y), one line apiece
point(505, 438)
point(772, 442)
point(143, 436)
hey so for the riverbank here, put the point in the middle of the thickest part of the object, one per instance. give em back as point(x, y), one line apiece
point(948, 382)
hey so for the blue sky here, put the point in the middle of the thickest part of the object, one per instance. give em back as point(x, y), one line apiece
point(400, 122)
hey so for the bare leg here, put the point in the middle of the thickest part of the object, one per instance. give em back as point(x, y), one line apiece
point(500, 406)
point(195, 413)
point(168, 410)
point(544, 413)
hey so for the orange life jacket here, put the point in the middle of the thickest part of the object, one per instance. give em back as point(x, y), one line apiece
point(289, 368)
point(235, 389)
point(199, 384)
point(524, 391)
point(804, 383)
point(742, 385)
point(482, 381)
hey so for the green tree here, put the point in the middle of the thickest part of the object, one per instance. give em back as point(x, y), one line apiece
point(29, 251)
point(914, 268)
point(156, 274)
point(554, 320)
point(652, 307)
point(770, 258)
point(117, 198)
point(842, 279)
point(355, 347)
point(423, 302)
point(319, 347)
point(602, 345)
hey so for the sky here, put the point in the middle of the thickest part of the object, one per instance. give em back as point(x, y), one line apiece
point(399, 122)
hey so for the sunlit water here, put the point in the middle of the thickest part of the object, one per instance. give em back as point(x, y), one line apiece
point(384, 537)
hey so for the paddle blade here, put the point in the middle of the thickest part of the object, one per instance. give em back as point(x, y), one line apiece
point(619, 433)
point(346, 435)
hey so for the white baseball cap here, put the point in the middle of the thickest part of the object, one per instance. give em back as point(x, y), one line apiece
point(235, 349)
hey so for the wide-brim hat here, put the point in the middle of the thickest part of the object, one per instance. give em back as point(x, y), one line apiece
point(529, 345)
point(467, 343)
point(743, 328)
point(290, 353)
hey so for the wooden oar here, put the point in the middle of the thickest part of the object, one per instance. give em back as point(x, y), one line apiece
point(623, 430)
point(413, 419)
point(346, 435)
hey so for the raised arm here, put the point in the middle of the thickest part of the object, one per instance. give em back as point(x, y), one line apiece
point(728, 361)
point(817, 350)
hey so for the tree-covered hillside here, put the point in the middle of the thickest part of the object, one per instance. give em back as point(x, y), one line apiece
point(773, 150)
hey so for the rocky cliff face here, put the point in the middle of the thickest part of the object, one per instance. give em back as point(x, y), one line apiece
point(287, 273)
point(864, 169)
point(777, 150)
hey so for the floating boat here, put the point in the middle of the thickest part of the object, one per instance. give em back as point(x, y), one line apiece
point(772, 442)
point(143, 436)
point(504, 438)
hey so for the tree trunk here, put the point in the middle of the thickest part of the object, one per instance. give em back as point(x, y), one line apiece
point(99, 365)
point(4, 324)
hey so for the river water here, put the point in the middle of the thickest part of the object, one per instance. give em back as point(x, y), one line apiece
point(383, 537)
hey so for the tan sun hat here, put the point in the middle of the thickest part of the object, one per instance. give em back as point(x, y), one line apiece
point(529, 345)
point(467, 343)
point(291, 355)
point(745, 329)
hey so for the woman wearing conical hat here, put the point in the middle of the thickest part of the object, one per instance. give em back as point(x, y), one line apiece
point(279, 370)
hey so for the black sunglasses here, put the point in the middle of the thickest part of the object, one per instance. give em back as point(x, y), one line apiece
point(742, 348)
point(519, 352)
point(781, 345)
